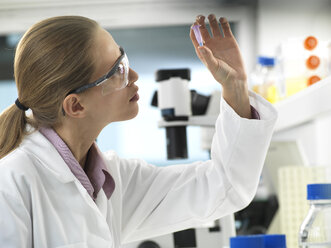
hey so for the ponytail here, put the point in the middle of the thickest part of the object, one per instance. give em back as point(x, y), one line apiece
point(53, 57)
point(12, 129)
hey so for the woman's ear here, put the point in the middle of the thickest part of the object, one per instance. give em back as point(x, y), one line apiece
point(72, 106)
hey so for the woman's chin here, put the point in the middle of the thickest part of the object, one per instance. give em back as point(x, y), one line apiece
point(135, 113)
point(132, 113)
point(125, 116)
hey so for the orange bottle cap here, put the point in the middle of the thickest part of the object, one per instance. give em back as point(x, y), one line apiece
point(310, 43)
point(313, 62)
point(313, 79)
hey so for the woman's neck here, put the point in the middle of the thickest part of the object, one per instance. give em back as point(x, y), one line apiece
point(78, 139)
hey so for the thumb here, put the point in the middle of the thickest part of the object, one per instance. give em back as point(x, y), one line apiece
point(218, 68)
point(208, 58)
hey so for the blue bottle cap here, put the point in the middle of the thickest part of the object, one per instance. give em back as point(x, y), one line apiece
point(320, 191)
point(259, 241)
point(266, 61)
point(274, 241)
point(250, 241)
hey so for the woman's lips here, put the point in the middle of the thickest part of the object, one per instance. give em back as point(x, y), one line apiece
point(135, 98)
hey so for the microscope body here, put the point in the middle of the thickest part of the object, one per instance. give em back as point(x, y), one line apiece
point(174, 101)
point(181, 107)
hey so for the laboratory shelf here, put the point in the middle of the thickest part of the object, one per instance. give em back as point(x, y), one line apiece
point(305, 106)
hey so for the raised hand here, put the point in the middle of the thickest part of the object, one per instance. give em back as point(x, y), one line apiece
point(221, 55)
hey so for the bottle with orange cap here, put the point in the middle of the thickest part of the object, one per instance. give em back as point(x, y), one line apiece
point(303, 62)
point(313, 61)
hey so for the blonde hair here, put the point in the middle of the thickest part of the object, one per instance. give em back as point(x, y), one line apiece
point(53, 57)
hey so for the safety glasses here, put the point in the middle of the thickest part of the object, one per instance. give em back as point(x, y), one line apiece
point(115, 79)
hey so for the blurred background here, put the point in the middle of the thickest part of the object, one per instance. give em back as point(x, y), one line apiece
point(155, 35)
point(286, 49)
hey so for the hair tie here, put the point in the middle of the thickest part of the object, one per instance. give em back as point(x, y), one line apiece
point(20, 105)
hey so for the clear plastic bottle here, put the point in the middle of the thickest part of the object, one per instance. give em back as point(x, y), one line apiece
point(264, 80)
point(315, 231)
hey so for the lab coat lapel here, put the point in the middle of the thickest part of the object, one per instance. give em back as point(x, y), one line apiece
point(38, 145)
point(115, 202)
point(49, 157)
point(44, 152)
point(100, 206)
point(102, 203)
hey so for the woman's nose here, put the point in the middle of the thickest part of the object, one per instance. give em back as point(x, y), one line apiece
point(133, 76)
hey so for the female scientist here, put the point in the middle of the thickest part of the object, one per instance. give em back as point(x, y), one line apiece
point(58, 190)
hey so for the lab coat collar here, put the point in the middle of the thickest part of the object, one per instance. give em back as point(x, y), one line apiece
point(38, 145)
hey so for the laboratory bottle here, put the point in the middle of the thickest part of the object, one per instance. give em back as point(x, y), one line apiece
point(313, 60)
point(259, 241)
point(315, 230)
point(265, 81)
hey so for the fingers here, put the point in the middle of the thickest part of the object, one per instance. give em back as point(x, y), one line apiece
point(226, 27)
point(214, 26)
point(215, 29)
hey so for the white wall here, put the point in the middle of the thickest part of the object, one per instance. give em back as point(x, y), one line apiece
point(278, 20)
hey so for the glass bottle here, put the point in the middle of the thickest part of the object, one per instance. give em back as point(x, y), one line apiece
point(264, 80)
point(315, 230)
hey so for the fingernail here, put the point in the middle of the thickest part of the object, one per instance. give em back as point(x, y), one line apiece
point(223, 20)
point(200, 17)
point(211, 17)
point(194, 24)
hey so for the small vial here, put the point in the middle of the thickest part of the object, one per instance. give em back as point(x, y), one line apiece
point(198, 37)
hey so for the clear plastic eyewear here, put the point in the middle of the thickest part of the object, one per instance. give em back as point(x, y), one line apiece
point(115, 79)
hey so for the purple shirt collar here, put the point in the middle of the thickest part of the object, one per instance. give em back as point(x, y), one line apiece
point(254, 114)
point(94, 176)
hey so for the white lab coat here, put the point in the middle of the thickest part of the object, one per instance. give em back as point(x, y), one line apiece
point(42, 204)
